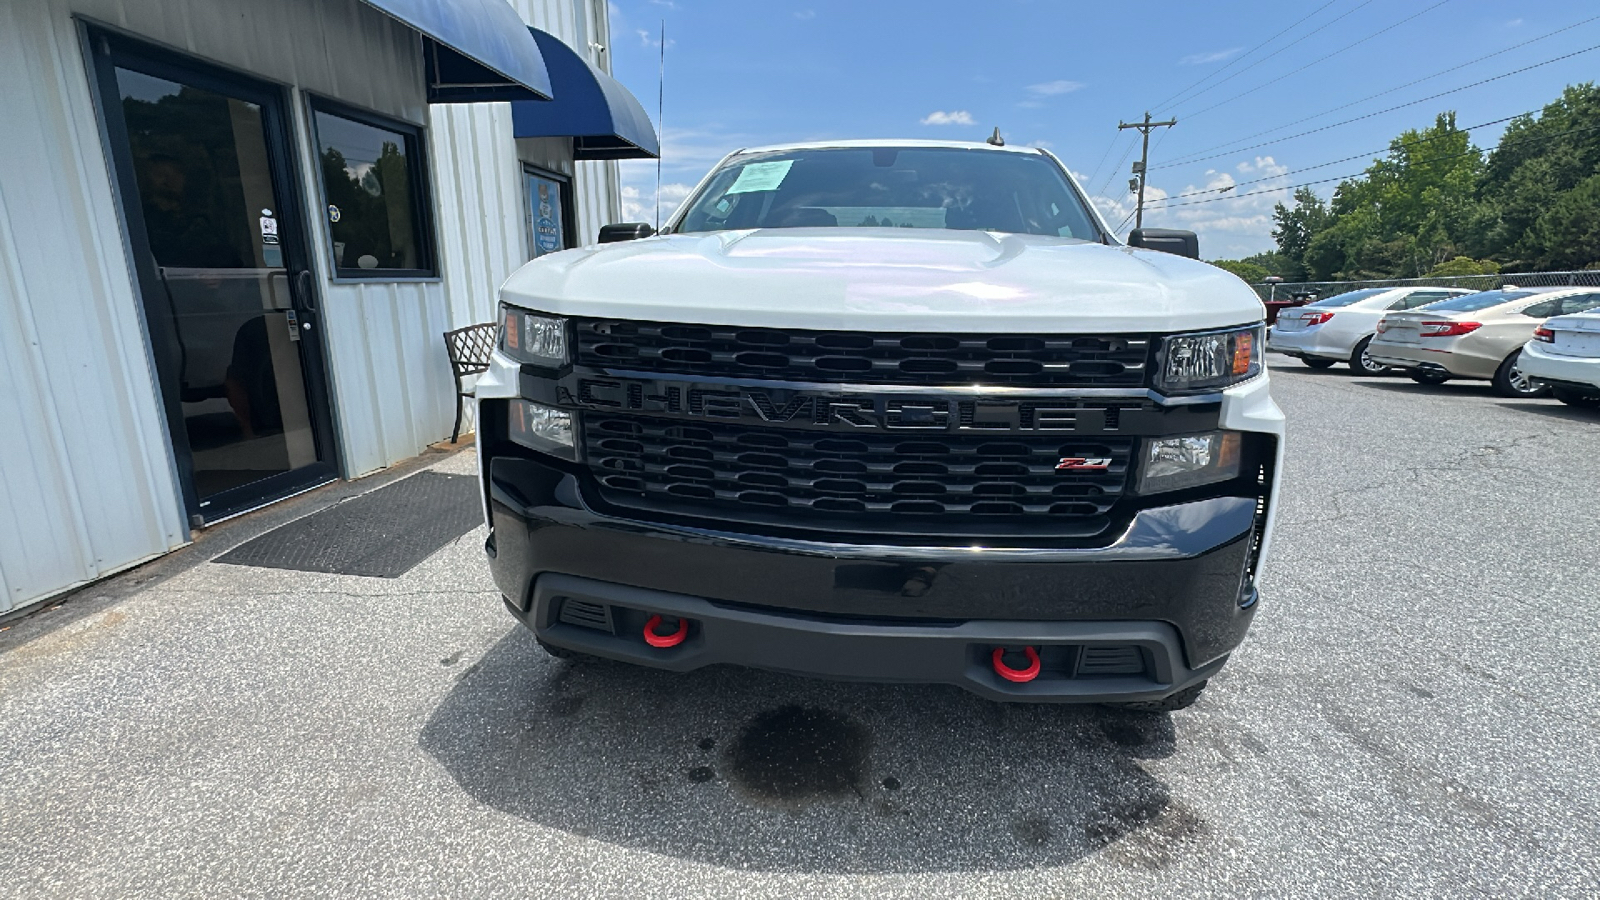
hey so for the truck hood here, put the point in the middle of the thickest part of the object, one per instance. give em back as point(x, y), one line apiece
point(878, 279)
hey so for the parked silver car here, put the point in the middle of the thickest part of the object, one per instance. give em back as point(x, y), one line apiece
point(1338, 328)
point(1476, 336)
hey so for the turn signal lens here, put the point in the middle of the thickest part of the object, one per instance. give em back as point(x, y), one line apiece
point(1316, 318)
point(1243, 353)
point(1544, 334)
point(1449, 329)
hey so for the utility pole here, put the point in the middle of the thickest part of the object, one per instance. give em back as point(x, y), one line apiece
point(1143, 164)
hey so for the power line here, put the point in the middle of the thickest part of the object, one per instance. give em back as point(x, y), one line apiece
point(1241, 57)
point(1471, 62)
point(1344, 159)
point(1263, 59)
point(1290, 187)
point(1195, 159)
point(1319, 60)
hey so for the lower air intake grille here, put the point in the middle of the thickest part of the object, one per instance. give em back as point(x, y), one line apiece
point(1111, 661)
point(733, 471)
point(586, 615)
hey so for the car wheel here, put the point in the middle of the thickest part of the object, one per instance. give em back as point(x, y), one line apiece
point(1427, 377)
point(1181, 700)
point(1577, 398)
point(1316, 363)
point(1511, 381)
point(1361, 361)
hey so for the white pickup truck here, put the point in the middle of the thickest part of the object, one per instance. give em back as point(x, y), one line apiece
point(891, 411)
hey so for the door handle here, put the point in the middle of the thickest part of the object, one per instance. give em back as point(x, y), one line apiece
point(307, 288)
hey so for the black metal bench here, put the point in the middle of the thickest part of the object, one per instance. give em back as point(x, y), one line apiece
point(469, 350)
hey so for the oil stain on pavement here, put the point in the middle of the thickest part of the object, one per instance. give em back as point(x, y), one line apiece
point(764, 772)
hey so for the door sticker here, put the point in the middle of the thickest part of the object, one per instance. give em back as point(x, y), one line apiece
point(269, 227)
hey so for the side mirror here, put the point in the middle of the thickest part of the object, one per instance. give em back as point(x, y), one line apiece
point(1167, 240)
point(630, 231)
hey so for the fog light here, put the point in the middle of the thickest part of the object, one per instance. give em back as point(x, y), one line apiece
point(1175, 463)
point(542, 428)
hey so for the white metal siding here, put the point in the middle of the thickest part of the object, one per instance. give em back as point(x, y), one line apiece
point(87, 484)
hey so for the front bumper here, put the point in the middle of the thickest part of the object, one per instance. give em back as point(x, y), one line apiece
point(1175, 587)
point(1581, 372)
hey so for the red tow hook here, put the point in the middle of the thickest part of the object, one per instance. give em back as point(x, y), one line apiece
point(663, 641)
point(1021, 676)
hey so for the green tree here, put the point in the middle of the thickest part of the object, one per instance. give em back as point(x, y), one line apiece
point(1539, 160)
point(1464, 265)
point(1275, 263)
point(1250, 272)
point(1297, 226)
point(1567, 235)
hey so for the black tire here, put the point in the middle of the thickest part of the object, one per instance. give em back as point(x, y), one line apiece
point(1577, 398)
point(1316, 363)
point(1361, 364)
point(1510, 382)
point(1170, 703)
point(1427, 377)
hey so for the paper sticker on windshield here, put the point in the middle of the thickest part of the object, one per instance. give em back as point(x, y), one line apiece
point(762, 176)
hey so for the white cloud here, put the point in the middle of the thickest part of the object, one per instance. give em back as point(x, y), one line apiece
point(804, 14)
point(1042, 145)
point(1201, 59)
point(1514, 23)
point(1054, 88)
point(1229, 228)
point(667, 3)
point(639, 204)
point(650, 38)
point(954, 117)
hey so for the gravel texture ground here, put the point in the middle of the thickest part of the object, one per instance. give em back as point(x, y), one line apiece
point(1414, 714)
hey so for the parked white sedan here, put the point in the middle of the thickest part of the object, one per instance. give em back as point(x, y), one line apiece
point(1477, 336)
point(1565, 354)
point(1339, 328)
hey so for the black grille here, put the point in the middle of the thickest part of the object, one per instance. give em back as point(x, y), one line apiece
point(852, 356)
point(739, 472)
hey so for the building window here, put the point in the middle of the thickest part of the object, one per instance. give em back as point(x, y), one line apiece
point(375, 195)
point(548, 211)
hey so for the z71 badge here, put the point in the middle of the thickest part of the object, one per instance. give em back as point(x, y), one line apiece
point(1083, 464)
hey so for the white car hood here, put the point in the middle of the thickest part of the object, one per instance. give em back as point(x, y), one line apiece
point(879, 279)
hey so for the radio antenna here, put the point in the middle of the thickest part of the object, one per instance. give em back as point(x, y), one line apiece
point(661, 112)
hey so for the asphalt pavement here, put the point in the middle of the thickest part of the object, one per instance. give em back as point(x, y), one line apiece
point(1413, 714)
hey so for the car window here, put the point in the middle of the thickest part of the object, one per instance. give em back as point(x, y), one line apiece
point(1421, 298)
point(1544, 309)
point(1480, 300)
point(1348, 299)
point(1578, 303)
point(892, 187)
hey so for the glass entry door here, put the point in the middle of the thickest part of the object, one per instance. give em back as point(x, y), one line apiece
point(204, 164)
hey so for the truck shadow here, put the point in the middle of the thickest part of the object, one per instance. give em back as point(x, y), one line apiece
point(760, 771)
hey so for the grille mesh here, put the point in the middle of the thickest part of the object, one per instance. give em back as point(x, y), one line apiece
point(878, 358)
point(663, 464)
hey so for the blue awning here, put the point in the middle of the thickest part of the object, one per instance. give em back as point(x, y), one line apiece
point(477, 50)
point(602, 117)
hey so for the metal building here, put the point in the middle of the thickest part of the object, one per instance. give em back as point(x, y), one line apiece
point(232, 234)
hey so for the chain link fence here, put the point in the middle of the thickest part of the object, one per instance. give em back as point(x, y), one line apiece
point(1286, 291)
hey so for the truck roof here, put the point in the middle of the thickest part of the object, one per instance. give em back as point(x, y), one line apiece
point(821, 145)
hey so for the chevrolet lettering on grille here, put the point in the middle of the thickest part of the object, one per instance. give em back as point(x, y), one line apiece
point(841, 411)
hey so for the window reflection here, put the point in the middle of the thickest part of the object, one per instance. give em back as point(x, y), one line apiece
point(369, 174)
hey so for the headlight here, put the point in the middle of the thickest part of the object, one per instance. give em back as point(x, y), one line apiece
point(531, 338)
point(1174, 463)
point(1208, 361)
point(542, 428)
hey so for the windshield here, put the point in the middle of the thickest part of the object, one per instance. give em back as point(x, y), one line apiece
point(892, 187)
point(1348, 299)
point(1475, 302)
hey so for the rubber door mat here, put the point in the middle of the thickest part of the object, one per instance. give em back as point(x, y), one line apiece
point(382, 533)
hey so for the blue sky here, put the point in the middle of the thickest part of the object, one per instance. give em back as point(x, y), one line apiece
point(1061, 75)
